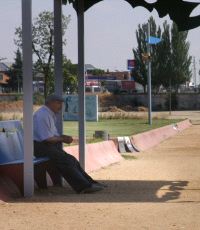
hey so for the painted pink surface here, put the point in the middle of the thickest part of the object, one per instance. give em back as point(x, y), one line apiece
point(184, 125)
point(98, 155)
point(146, 140)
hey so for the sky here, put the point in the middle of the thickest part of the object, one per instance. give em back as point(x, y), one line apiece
point(109, 31)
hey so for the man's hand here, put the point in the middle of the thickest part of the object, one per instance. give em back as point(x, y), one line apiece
point(67, 139)
point(63, 138)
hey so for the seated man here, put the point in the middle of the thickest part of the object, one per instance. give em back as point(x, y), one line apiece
point(47, 142)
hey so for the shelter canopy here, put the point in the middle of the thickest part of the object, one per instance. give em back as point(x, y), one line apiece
point(179, 11)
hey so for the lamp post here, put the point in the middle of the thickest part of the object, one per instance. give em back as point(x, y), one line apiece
point(149, 77)
point(154, 41)
point(170, 96)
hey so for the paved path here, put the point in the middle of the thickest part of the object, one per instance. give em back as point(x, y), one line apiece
point(158, 190)
point(194, 116)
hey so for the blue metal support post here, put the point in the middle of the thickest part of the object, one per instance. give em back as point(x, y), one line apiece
point(149, 77)
point(81, 83)
point(58, 52)
point(27, 97)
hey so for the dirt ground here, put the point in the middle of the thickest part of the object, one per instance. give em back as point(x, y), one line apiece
point(14, 110)
point(159, 189)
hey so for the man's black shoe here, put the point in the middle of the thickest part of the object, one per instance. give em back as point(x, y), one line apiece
point(93, 188)
point(101, 184)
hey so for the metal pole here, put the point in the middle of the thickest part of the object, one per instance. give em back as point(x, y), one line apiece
point(149, 78)
point(170, 96)
point(81, 83)
point(194, 73)
point(58, 57)
point(28, 97)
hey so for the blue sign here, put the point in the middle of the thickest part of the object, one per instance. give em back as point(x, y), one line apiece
point(130, 64)
point(154, 40)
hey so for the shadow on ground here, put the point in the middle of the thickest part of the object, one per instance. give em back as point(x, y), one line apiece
point(117, 191)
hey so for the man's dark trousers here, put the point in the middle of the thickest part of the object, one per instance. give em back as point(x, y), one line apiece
point(67, 164)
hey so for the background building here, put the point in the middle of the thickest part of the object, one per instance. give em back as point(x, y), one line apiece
point(4, 77)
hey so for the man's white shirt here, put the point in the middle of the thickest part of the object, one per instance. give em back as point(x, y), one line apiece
point(44, 124)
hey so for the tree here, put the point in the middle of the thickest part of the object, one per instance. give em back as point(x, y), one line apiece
point(162, 66)
point(140, 71)
point(43, 45)
point(170, 59)
point(15, 73)
point(155, 54)
point(97, 72)
point(70, 79)
point(181, 60)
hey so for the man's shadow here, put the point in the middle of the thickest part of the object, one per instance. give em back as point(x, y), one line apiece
point(117, 191)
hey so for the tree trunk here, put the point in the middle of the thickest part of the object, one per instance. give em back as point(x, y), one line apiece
point(144, 88)
point(45, 84)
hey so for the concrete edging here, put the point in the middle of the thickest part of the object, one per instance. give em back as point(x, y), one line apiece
point(146, 140)
point(98, 155)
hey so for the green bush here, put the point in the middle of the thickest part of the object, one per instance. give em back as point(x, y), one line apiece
point(38, 99)
point(18, 97)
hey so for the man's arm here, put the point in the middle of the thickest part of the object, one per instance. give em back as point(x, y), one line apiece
point(63, 138)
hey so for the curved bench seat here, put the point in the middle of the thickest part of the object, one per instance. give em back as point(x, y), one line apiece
point(12, 157)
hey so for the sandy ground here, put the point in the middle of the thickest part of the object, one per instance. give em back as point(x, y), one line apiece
point(159, 189)
point(194, 116)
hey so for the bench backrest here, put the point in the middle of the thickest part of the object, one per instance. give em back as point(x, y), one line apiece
point(11, 141)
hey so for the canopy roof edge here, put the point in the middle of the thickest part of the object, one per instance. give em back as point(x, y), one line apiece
point(178, 10)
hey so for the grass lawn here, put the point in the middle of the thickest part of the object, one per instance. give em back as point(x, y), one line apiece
point(116, 127)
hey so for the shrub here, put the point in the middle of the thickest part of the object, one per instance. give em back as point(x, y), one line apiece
point(38, 99)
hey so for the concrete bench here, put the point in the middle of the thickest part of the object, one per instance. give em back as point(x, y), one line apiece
point(11, 158)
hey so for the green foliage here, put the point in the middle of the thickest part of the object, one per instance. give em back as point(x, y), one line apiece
point(18, 97)
point(162, 68)
point(181, 60)
point(15, 73)
point(139, 72)
point(70, 80)
point(97, 72)
point(116, 127)
point(43, 45)
point(38, 99)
